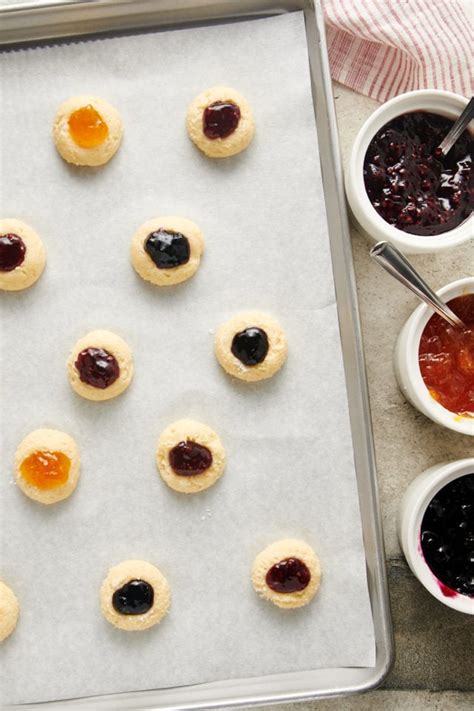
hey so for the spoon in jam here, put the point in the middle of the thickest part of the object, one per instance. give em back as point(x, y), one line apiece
point(396, 264)
point(457, 129)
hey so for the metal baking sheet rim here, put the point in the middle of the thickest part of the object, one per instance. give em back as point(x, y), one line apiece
point(59, 20)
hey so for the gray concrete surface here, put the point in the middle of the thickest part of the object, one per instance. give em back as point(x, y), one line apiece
point(391, 701)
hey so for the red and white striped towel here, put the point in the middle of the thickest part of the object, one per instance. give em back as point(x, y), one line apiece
point(382, 48)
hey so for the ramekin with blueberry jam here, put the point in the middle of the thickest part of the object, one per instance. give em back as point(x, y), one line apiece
point(436, 532)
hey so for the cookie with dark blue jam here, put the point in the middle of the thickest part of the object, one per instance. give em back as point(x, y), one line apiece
point(134, 598)
point(167, 249)
point(250, 346)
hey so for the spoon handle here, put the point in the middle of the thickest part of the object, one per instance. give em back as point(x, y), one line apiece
point(458, 127)
point(394, 262)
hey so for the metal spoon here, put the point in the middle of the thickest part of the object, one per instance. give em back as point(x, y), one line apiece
point(393, 261)
point(458, 127)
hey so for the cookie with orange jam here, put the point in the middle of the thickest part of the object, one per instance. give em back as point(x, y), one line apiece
point(47, 465)
point(87, 130)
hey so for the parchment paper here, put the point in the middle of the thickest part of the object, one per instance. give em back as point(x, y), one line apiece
point(290, 464)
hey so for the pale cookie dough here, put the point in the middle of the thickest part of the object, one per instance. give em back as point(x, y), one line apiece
point(279, 551)
point(9, 611)
point(277, 346)
point(45, 440)
point(34, 260)
point(190, 431)
point(115, 346)
point(220, 147)
point(144, 264)
point(122, 574)
point(67, 146)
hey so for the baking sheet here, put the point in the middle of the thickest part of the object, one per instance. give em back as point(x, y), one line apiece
point(290, 467)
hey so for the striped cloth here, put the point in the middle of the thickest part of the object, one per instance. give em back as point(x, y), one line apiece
point(382, 48)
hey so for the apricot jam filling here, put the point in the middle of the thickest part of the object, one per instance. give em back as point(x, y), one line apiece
point(87, 127)
point(446, 357)
point(46, 470)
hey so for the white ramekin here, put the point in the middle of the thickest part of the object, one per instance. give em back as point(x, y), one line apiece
point(367, 219)
point(410, 515)
point(407, 368)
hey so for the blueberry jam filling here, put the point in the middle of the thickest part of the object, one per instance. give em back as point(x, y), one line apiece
point(289, 575)
point(12, 252)
point(410, 184)
point(447, 536)
point(167, 249)
point(250, 346)
point(220, 119)
point(189, 458)
point(134, 598)
point(97, 367)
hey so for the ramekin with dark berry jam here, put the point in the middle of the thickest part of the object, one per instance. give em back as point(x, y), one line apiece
point(436, 532)
point(400, 187)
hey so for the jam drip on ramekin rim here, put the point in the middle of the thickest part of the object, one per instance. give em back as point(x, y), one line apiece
point(410, 184)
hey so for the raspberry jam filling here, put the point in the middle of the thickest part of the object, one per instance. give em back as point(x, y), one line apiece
point(167, 249)
point(220, 119)
point(289, 575)
point(446, 358)
point(12, 252)
point(97, 367)
point(189, 458)
point(87, 127)
point(250, 346)
point(134, 598)
point(46, 470)
point(410, 184)
point(447, 536)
